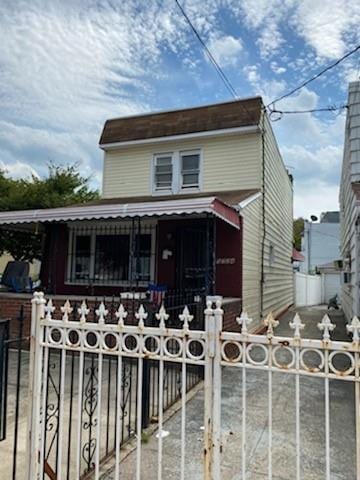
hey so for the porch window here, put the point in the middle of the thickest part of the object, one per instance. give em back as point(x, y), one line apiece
point(82, 257)
point(190, 169)
point(110, 256)
point(163, 173)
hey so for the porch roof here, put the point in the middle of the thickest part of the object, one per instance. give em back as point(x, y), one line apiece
point(104, 210)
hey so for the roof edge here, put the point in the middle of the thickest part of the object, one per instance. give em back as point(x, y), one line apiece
point(206, 133)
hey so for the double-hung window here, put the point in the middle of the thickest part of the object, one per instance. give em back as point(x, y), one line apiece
point(176, 172)
point(163, 173)
point(190, 169)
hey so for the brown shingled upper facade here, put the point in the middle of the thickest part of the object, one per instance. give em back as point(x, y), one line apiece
point(239, 113)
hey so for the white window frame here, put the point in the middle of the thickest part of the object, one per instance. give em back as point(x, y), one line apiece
point(176, 187)
point(194, 188)
point(162, 191)
point(93, 230)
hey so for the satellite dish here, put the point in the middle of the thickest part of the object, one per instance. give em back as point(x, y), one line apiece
point(314, 218)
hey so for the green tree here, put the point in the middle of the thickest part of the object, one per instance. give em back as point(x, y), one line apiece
point(298, 229)
point(64, 185)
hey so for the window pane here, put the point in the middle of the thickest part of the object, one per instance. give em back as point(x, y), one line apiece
point(190, 180)
point(112, 254)
point(143, 254)
point(190, 162)
point(163, 160)
point(163, 169)
point(82, 257)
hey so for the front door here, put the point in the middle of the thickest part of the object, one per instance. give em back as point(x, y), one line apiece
point(192, 252)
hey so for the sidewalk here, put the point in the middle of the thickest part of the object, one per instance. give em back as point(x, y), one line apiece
point(283, 441)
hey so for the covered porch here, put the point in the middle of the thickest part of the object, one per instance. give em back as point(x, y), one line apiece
point(180, 250)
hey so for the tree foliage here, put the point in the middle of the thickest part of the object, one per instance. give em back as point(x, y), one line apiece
point(298, 229)
point(64, 185)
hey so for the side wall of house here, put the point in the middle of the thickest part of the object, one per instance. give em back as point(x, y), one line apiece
point(252, 235)
point(278, 286)
point(229, 162)
point(349, 211)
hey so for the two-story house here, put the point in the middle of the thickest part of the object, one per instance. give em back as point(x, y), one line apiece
point(194, 200)
point(350, 206)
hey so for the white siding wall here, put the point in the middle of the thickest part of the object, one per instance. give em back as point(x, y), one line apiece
point(252, 259)
point(229, 163)
point(278, 287)
point(349, 212)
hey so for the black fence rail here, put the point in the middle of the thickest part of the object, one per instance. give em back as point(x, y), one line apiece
point(13, 396)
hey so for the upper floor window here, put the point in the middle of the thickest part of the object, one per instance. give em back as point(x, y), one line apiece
point(176, 171)
point(190, 169)
point(163, 172)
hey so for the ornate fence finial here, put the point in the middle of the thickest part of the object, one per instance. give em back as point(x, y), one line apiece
point(186, 318)
point(83, 311)
point(101, 312)
point(270, 323)
point(244, 320)
point(162, 316)
point(121, 314)
point(296, 325)
point(49, 309)
point(354, 328)
point(326, 326)
point(141, 315)
point(66, 310)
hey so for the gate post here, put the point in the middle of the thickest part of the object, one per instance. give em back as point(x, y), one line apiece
point(35, 374)
point(212, 391)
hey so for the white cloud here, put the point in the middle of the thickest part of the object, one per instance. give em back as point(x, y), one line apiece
point(277, 68)
point(226, 49)
point(252, 74)
point(313, 197)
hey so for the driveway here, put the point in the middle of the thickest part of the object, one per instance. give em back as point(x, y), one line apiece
point(312, 410)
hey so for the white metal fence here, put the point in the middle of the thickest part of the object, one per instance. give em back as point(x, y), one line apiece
point(212, 348)
point(308, 289)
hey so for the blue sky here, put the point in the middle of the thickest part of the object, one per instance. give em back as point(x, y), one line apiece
point(66, 66)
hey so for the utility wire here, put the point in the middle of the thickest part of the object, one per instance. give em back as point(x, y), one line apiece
point(326, 69)
point(276, 114)
point(219, 70)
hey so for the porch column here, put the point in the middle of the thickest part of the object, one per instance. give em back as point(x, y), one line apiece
point(210, 266)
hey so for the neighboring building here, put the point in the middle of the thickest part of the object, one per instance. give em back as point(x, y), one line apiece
point(193, 200)
point(320, 242)
point(350, 205)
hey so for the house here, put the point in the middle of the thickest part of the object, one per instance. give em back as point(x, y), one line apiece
point(193, 200)
point(350, 205)
point(320, 242)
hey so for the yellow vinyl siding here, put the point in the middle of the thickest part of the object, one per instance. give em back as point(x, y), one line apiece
point(278, 274)
point(252, 260)
point(230, 162)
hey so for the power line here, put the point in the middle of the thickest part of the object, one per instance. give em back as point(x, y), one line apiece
point(326, 69)
point(219, 70)
point(276, 115)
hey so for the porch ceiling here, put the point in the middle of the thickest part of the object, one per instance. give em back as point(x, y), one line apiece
point(186, 206)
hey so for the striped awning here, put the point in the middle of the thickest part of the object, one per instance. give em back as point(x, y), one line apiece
point(158, 208)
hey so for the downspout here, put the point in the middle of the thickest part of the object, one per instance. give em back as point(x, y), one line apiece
point(262, 277)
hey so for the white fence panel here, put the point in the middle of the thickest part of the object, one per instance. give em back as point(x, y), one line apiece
point(308, 289)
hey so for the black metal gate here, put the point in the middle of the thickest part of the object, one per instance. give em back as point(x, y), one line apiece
point(13, 391)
